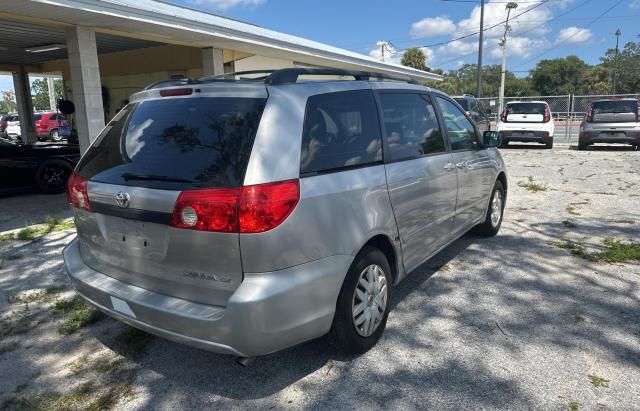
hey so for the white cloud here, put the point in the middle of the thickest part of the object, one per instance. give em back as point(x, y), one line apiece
point(226, 4)
point(432, 27)
point(531, 22)
point(573, 35)
point(634, 5)
point(523, 47)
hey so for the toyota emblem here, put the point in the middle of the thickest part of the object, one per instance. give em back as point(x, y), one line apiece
point(122, 199)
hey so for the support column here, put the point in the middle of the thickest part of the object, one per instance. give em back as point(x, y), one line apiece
point(85, 81)
point(212, 62)
point(52, 93)
point(25, 105)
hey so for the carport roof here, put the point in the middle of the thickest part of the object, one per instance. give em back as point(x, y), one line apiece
point(157, 21)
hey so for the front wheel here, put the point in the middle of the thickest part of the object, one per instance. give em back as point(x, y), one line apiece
point(55, 135)
point(495, 212)
point(363, 303)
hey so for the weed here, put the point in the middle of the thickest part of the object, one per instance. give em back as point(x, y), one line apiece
point(76, 366)
point(78, 313)
point(42, 296)
point(598, 381)
point(578, 319)
point(569, 224)
point(532, 186)
point(574, 406)
point(571, 210)
point(622, 221)
point(34, 232)
point(617, 251)
point(575, 248)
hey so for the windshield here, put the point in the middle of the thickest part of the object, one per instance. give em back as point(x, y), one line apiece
point(612, 107)
point(176, 143)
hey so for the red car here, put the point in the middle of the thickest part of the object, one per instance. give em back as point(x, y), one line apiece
point(51, 125)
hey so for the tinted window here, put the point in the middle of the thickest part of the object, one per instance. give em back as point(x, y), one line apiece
point(525, 108)
point(410, 126)
point(460, 130)
point(37, 117)
point(612, 107)
point(188, 142)
point(463, 103)
point(340, 130)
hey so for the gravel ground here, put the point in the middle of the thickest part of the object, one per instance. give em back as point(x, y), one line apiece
point(22, 210)
point(511, 322)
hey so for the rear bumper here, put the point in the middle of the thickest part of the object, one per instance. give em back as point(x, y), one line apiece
point(267, 313)
point(537, 136)
point(603, 138)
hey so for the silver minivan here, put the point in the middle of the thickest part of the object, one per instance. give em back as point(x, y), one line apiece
point(247, 213)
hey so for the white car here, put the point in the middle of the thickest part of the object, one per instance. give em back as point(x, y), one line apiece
point(526, 121)
point(13, 129)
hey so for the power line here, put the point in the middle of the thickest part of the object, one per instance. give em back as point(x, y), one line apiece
point(570, 37)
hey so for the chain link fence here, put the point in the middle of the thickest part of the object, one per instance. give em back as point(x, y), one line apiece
point(568, 111)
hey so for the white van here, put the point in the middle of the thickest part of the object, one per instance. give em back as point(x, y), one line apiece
point(526, 121)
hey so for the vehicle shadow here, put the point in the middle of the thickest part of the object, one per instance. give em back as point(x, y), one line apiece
point(30, 207)
point(608, 147)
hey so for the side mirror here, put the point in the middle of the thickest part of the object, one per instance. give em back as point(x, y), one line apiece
point(491, 139)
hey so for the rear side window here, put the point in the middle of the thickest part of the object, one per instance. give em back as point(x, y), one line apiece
point(525, 108)
point(176, 143)
point(460, 130)
point(37, 117)
point(340, 130)
point(410, 126)
point(464, 103)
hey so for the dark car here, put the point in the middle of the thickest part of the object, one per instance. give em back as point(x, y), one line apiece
point(45, 167)
point(475, 111)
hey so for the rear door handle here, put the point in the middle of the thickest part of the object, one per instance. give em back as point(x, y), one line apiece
point(449, 167)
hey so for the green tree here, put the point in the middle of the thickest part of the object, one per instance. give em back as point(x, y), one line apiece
point(559, 76)
point(597, 80)
point(8, 102)
point(414, 57)
point(40, 92)
point(627, 67)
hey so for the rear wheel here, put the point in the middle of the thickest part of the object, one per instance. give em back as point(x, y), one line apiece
point(52, 175)
point(55, 135)
point(495, 212)
point(363, 303)
point(549, 144)
point(582, 146)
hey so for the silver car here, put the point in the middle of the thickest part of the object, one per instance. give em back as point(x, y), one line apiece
point(611, 121)
point(244, 216)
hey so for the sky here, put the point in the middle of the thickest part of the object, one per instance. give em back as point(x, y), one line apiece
point(541, 28)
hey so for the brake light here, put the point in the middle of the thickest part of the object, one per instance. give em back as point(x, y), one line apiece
point(176, 92)
point(503, 116)
point(589, 115)
point(77, 192)
point(547, 114)
point(248, 209)
point(469, 115)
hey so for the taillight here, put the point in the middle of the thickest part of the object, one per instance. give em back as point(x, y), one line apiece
point(503, 116)
point(207, 210)
point(249, 209)
point(547, 114)
point(77, 192)
point(265, 206)
point(589, 115)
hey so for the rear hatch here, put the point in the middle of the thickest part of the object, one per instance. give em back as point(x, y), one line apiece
point(615, 111)
point(149, 153)
point(525, 113)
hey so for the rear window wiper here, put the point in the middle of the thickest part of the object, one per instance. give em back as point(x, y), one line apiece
point(154, 177)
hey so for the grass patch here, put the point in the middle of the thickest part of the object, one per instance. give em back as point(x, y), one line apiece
point(133, 342)
point(598, 381)
point(578, 319)
point(569, 224)
point(34, 232)
point(574, 406)
point(575, 248)
point(7, 236)
point(78, 365)
point(571, 210)
point(622, 221)
point(43, 296)
point(615, 251)
point(78, 314)
point(532, 186)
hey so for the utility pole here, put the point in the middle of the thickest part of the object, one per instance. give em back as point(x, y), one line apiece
point(615, 63)
point(510, 6)
point(479, 75)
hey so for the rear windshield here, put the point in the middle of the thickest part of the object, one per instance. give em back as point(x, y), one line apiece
point(615, 107)
point(176, 144)
point(464, 103)
point(525, 108)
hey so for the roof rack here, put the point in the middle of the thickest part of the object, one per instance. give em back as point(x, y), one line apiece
point(282, 76)
point(290, 75)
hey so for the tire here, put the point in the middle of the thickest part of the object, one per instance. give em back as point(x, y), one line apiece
point(549, 145)
point(52, 175)
point(504, 143)
point(582, 146)
point(491, 225)
point(355, 339)
point(55, 135)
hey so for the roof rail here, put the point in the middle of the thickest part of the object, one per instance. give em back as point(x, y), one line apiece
point(290, 75)
point(171, 82)
point(230, 76)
